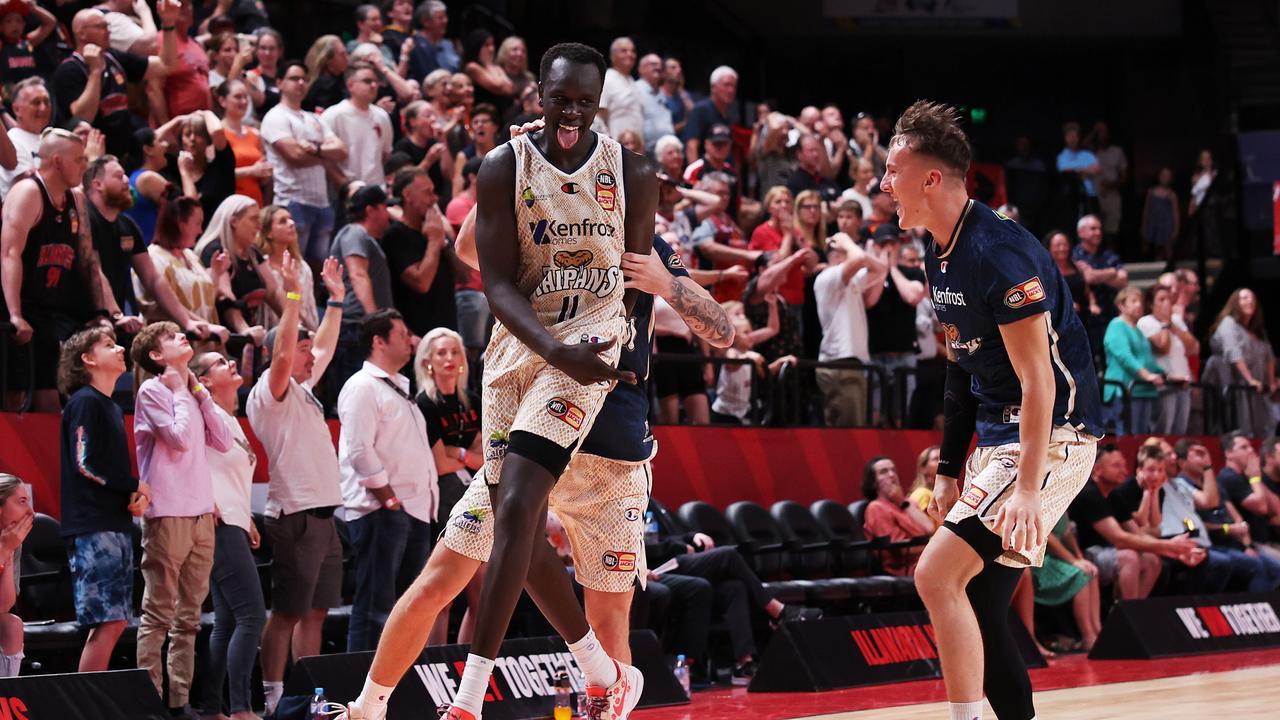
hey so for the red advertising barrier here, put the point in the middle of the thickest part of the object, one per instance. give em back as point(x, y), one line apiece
point(719, 465)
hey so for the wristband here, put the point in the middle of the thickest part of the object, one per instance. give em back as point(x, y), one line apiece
point(1226, 529)
point(336, 304)
point(1255, 480)
point(197, 389)
point(293, 295)
point(462, 455)
point(392, 503)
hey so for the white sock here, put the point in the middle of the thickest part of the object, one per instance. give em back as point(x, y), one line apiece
point(600, 669)
point(475, 682)
point(272, 691)
point(966, 711)
point(11, 665)
point(374, 695)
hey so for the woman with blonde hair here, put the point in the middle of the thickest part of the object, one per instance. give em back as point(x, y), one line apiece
point(278, 233)
point(248, 284)
point(326, 61)
point(16, 520)
point(513, 58)
point(452, 412)
point(926, 472)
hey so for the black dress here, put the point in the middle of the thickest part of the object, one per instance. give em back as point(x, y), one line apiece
point(448, 421)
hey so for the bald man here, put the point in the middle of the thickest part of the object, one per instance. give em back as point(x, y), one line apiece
point(620, 102)
point(657, 116)
point(92, 84)
point(44, 238)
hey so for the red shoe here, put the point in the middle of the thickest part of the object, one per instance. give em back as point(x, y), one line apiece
point(596, 704)
point(455, 713)
point(618, 700)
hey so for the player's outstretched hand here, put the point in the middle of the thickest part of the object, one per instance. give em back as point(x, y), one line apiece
point(1018, 521)
point(945, 492)
point(581, 361)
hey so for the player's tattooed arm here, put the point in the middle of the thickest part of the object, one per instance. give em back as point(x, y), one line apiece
point(700, 312)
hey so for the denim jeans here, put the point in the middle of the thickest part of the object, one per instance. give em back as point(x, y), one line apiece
point(1173, 410)
point(391, 547)
point(1261, 573)
point(238, 618)
point(315, 228)
point(1139, 415)
point(473, 318)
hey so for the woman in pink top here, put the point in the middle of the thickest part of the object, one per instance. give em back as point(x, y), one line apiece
point(890, 515)
point(186, 88)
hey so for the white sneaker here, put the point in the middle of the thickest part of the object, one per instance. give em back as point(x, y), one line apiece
point(624, 694)
point(354, 712)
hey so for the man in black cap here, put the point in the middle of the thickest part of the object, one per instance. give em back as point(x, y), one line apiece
point(716, 158)
point(367, 278)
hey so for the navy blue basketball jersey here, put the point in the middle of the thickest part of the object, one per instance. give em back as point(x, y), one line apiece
point(621, 431)
point(994, 272)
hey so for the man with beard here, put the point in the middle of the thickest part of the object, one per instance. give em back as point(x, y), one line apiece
point(121, 246)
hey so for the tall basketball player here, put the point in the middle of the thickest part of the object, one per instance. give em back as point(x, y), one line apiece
point(555, 211)
point(1021, 372)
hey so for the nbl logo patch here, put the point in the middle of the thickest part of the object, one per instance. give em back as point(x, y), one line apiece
point(1024, 293)
point(571, 414)
point(973, 497)
point(606, 190)
point(619, 561)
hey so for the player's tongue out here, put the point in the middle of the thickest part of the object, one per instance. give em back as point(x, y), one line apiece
point(567, 135)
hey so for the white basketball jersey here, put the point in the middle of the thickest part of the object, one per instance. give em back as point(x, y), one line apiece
point(570, 228)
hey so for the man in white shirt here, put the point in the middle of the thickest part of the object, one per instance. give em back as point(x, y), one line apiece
point(363, 126)
point(305, 489)
point(298, 147)
point(621, 106)
point(32, 107)
point(851, 283)
point(389, 487)
point(657, 116)
point(127, 35)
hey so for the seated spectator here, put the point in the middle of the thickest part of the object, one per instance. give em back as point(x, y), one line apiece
point(367, 278)
point(176, 423)
point(249, 284)
point(1253, 488)
point(423, 145)
point(32, 108)
point(16, 521)
point(238, 610)
point(926, 473)
point(419, 257)
point(484, 130)
point(631, 140)
point(99, 494)
point(1103, 272)
point(841, 292)
point(1067, 576)
point(1171, 343)
point(278, 234)
point(892, 516)
point(207, 164)
point(1242, 356)
point(1132, 367)
point(1126, 556)
point(326, 65)
point(1081, 295)
point(362, 126)
point(734, 396)
point(738, 591)
point(669, 153)
point(253, 173)
point(811, 165)
point(184, 89)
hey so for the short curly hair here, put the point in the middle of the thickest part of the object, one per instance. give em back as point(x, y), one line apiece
point(148, 340)
point(72, 374)
point(933, 129)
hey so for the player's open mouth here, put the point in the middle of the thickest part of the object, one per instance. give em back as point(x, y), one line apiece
point(567, 135)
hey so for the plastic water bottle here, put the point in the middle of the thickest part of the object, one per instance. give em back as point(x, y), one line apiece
point(318, 702)
point(682, 674)
point(564, 693)
point(650, 528)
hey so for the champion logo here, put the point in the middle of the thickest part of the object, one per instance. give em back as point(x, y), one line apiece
point(570, 188)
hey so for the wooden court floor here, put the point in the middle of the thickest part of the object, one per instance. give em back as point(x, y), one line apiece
point(1252, 693)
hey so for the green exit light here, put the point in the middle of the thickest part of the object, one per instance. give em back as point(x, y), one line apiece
point(977, 115)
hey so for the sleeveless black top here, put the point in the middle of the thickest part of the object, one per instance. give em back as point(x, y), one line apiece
point(48, 261)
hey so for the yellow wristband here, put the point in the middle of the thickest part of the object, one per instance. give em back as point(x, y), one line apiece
point(197, 389)
point(293, 296)
point(1226, 529)
point(1255, 480)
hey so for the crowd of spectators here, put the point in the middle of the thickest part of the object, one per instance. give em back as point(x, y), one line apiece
point(254, 234)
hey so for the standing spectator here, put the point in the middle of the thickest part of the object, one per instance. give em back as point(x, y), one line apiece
point(431, 50)
point(1080, 163)
point(863, 174)
point(513, 58)
point(364, 128)
point(1201, 206)
point(298, 147)
point(127, 35)
point(1068, 576)
point(890, 515)
point(678, 385)
point(1081, 296)
point(769, 158)
point(326, 62)
point(842, 291)
point(866, 145)
point(423, 145)
point(368, 277)
point(389, 479)
point(229, 59)
point(621, 106)
point(492, 85)
point(835, 143)
point(266, 73)
point(892, 328)
point(1268, 488)
point(657, 116)
point(720, 108)
point(32, 109)
point(184, 89)
point(1171, 343)
point(369, 30)
point(393, 89)
point(452, 412)
point(719, 242)
point(810, 164)
point(253, 172)
point(460, 94)
point(239, 613)
point(460, 206)
point(17, 44)
point(398, 15)
point(179, 268)
point(278, 234)
point(484, 133)
point(780, 238)
point(1132, 366)
point(676, 98)
point(42, 242)
point(1160, 217)
point(418, 256)
point(91, 84)
point(207, 164)
point(304, 489)
point(249, 286)
point(1103, 272)
point(1242, 356)
point(175, 423)
point(1113, 173)
point(150, 153)
point(733, 403)
point(99, 494)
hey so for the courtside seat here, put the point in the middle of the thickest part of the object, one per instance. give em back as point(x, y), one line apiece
point(703, 517)
point(857, 559)
point(816, 550)
point(46, 588)
point(768, 551)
